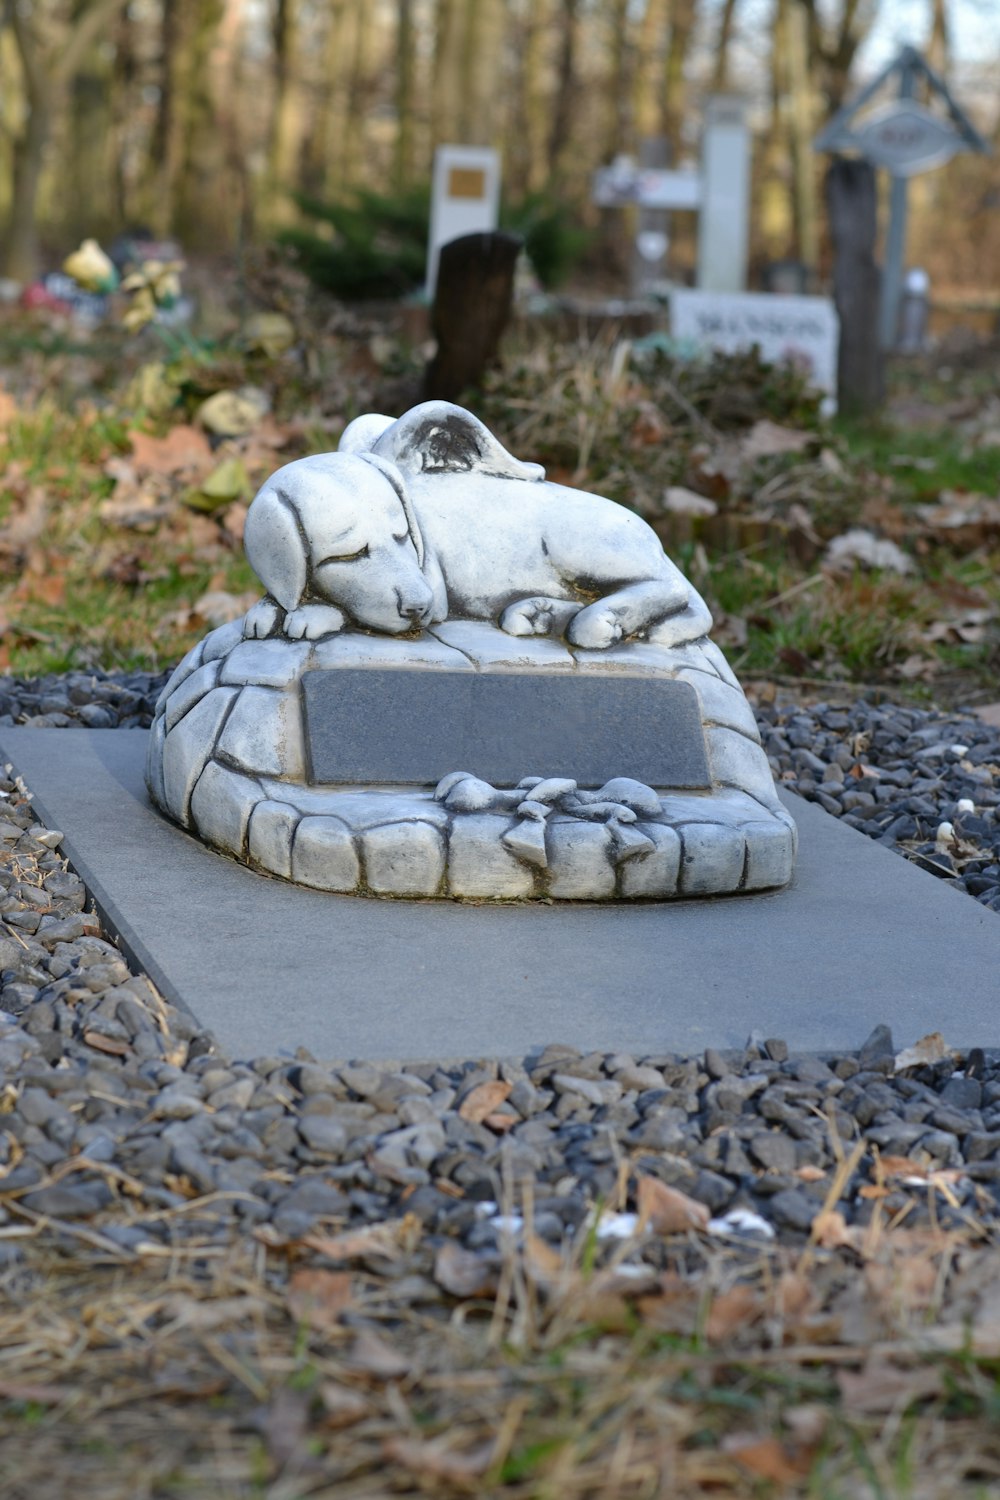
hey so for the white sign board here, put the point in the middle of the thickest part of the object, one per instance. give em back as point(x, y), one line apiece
point(651, 187)
point(465, 199)
point(906, 138)
point(799, 330)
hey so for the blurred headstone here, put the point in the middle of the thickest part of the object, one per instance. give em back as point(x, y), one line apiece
point(472, 305)
point(801, 331)
point(719, 191)
point(465, 199)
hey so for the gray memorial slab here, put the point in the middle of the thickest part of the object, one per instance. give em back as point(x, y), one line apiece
point(859, 937)
point(403, 726)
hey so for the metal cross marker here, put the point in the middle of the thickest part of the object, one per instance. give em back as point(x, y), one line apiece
point(905, 138)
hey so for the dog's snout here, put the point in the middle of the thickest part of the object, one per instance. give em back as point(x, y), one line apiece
point(411, 609)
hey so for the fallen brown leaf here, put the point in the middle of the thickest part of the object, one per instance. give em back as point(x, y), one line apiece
point(770, 1459)
point(317, 1298)
point(436, 1461)
point(371, 1355)
point(737, 1308)
point(667, 1209)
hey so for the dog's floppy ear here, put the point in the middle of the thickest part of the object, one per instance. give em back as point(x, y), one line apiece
point(439, 438)
point(389, 471)
point(275, 546)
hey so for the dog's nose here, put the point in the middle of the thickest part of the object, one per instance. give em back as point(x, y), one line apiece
point(411, 611)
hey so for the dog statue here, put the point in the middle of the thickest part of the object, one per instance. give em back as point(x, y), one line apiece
point(426, 518)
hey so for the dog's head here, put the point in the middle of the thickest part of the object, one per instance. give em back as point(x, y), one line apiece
point(436, 438)
point(339, 528)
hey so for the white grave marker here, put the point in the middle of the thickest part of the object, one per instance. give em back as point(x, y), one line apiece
point(798, 330)
point(465, 199)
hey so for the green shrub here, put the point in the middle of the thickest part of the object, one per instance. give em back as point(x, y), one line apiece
point(376, 243)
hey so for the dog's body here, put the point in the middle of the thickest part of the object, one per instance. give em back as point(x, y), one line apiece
point(429, 517)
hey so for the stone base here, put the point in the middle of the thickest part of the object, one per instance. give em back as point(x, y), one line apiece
point(229, 760)
point(859, 936)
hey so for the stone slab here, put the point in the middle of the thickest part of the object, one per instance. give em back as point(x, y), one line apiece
point(859, 937)
point(413, 727)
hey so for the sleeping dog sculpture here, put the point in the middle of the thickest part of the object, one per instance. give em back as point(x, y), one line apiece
point(427, 518)
point(412, 578)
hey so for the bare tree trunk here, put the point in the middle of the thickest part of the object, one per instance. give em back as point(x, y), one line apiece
point(649, 66)
point(720, 72)
point(674, 102)
point(286, 118)
point(939, 46)
point(621, 136)
point(565, 97)
point(29, 153)
point(48, 68)
point(357, 88)
point(775, 207)
point(444, 82)
point(802, 131)
point(402, 163)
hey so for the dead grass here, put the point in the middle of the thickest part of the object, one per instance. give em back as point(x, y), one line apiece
point(376, 1362)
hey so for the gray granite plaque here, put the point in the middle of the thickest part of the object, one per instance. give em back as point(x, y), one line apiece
point(413, 727)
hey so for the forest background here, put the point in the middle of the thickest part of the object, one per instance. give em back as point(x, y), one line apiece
point(204, 118)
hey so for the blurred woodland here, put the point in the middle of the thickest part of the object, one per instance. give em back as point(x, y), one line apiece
point(210, 119)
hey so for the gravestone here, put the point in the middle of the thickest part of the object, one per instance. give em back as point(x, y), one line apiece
point(465, 199)
point(465, 680)
point(718, 191)
point(904, 137)
point(798, 330)
point(472, 306)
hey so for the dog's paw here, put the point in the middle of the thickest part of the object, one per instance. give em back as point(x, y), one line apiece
point(310, 622)
point(595, 629)
point(528, 617)
point(261, 621)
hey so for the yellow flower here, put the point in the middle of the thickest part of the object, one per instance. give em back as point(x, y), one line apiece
point(91, 269)
point(141, 311)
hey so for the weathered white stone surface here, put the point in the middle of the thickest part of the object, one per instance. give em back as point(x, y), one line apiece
point(403, 859)
point(424, 545)
point(488, 649)
point(324, 855)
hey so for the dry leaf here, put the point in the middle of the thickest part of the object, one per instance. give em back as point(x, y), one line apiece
point(732, 1310)
point(435, 1461)
point(989, 713)
point(929, 1049)
point(183, 448)
point(769, 1459)
point(111, 1045)
point(317, 1298)
point(341, 1407)
point(667, 1209)
point(483, 1100)
point(681, 502)
point(882, 1387)
point(371, 1355)
point(463, 1273)
point(863, 547)
point(830, 1230)
point(386, 1239)
point(501, 1123)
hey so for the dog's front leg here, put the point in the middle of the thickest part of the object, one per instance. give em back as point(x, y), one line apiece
point(262, 619)
point(538, 615)
point(627, 612)
point(310, 622)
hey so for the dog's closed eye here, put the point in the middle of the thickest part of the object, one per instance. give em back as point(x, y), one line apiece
point(345, 557)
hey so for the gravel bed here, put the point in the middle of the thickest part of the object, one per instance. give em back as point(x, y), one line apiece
point(926, 784)
point(118, 1108)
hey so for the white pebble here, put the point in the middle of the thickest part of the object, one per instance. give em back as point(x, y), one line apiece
point(741, 1221)
point(965, 805)
point(945, 834)
point(959, 749)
